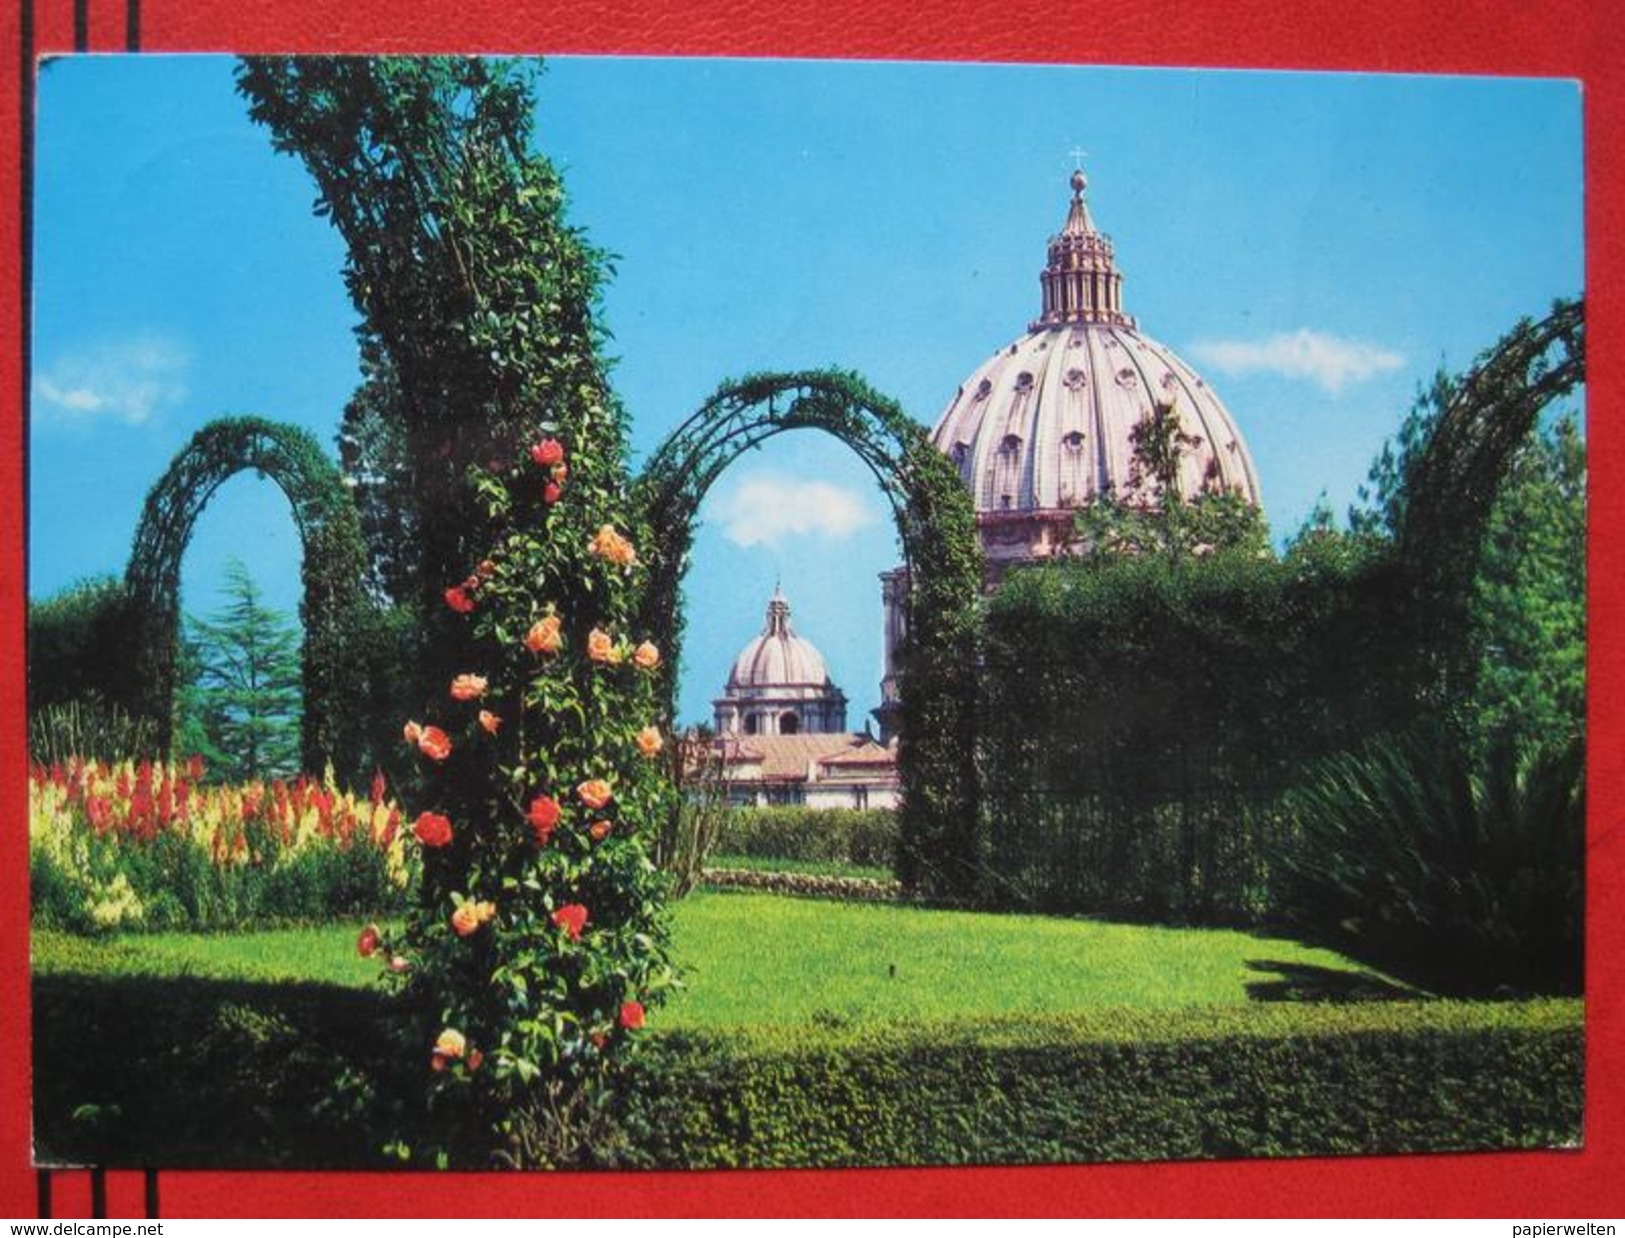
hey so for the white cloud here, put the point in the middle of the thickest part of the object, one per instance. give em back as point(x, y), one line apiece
point(127, 381)
point(764, 508)
point(1325, 360)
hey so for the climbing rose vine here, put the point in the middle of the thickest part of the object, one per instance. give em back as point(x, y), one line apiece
point(537, 946)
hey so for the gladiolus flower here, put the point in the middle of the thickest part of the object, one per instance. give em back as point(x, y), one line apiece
point(595, 793)
point(632, 1015)
point(434, 743)
point(432, 830)
point(547, 452)
point(552, 492)
point(457, 598)
point(598, 831)
point(545, 635)
point(610, 545)
point(489, 721)
point(543, 817)
point(194, 768)
point(367, 944)
point(647, 656)
point(572, 918)
point(468, 687)
point(412, 732)
point(449, 1046)
point(649, 741)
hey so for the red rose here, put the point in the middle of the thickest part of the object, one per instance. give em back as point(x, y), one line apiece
point(457, 598)
point(632, 1015)
point(543, 817)
point(548, 452)
point(572, 918)
point(367, 944)
point(432, 829)
point(551, 492)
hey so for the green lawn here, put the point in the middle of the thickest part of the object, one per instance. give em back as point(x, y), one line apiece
point(760, 959)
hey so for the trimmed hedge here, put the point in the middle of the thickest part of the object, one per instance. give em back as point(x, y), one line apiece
point(1143, 718)
point(866, 836)
point(1259, 1081)
point(808, 885)
point(189, 1072)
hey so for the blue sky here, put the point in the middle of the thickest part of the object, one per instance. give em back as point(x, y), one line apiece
point(1316, 245)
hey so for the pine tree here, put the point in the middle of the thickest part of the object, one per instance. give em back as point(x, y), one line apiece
point(242, 703)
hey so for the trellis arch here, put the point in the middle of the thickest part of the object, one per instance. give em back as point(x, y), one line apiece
point(334, 562)
point(936, 525)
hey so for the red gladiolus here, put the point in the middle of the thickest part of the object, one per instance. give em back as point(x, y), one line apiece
point(432, 829)
point(543, 817)
point(379, 787)
point(548, 452)
point(194, 768)
point(434, 743)
point(457, 598)
point(367, 944)
point(632, 1015)
point(572, 918)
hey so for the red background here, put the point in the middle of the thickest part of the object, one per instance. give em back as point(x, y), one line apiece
point(1568, 38)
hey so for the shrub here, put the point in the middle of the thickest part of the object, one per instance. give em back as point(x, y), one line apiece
point(1289, 1080)
point(1463, 875)
point(89, 728)
point(864, 836)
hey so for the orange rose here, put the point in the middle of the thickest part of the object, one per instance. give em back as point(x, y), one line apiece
point(552, 493)
point(649, 741)
point(561, 470)
point(469, 916)
point(610, 545)
point(545, 635)
point(458, 599)
point(412, 732)
point(489, 721)
point(598, 831)
point(647, 656)
point(600, 646)
point(632, 1015)
point(468, 687)
point(434, 743)
point(547, 452)
point(595, 793)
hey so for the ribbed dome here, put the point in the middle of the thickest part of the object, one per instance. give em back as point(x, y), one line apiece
point(1044, 424)
point(778, 657)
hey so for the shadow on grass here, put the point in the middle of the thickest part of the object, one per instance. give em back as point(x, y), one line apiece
point(191, 1073)
point(1305, 982)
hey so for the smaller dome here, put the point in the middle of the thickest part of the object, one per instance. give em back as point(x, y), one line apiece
point(778, 657)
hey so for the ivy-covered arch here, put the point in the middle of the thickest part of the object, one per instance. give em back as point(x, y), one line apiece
point(334, 561)
point(1451, 484)
point(936, 526)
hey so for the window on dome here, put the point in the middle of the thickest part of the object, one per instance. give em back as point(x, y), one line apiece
point(753, 724)
point(1004, 477)
point(789, 724)
point(1073, 470)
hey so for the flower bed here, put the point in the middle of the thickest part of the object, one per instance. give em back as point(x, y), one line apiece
point(147, 845)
